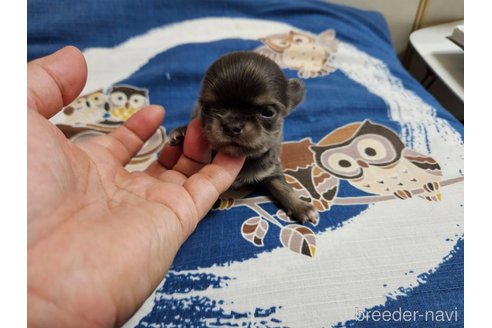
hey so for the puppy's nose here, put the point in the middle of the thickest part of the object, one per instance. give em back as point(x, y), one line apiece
point(233, 129)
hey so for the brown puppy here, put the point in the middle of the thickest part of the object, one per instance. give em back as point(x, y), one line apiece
point(243, 101)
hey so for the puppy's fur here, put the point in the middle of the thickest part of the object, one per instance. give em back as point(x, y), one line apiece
point(243, 101)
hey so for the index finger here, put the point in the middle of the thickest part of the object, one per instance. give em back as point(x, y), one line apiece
point(206, 185)
point(191, 156)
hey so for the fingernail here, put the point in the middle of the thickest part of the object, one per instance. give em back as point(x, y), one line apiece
point(161, 108)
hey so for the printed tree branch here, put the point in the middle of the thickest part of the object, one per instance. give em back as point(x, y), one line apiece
point(360, 200)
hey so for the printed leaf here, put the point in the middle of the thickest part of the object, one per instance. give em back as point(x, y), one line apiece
point(283, 216)
point(254, 230)
point(299, 239)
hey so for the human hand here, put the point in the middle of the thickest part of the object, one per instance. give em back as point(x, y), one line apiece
point(100, 239)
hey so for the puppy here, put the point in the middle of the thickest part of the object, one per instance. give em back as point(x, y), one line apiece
point(243, 101)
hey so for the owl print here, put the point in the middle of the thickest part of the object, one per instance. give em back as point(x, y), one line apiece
point(309, 55)
point(372, 158)
point(86, 109)
point(311, 183)
point(124, 101)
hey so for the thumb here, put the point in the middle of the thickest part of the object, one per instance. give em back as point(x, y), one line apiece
point(55, 80)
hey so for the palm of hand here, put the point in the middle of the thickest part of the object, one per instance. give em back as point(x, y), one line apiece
point(100, 238)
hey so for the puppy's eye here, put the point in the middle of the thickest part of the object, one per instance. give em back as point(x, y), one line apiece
point(206, 109)
point(267, 112)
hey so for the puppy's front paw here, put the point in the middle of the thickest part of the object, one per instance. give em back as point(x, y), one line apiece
point(303, 212)
point(176, 136)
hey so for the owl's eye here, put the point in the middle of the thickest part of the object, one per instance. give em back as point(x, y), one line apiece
point(371, 149)
point(267, 112)
point(344, 163)
point(340, 162)
point(118, 98)
point(96, 99)
point(138, 101)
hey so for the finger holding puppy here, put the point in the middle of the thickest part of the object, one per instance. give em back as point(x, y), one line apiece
point(187, 158)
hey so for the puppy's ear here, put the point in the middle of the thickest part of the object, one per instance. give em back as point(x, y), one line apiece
point(295, 94)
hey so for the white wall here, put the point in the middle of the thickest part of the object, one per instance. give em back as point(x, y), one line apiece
point(401, 15)
point(442, 11)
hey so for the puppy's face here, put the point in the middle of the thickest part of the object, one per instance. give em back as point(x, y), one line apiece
point(243, 102)
point(249, 127)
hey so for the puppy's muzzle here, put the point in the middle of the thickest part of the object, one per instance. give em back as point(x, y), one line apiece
point(233, 129)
